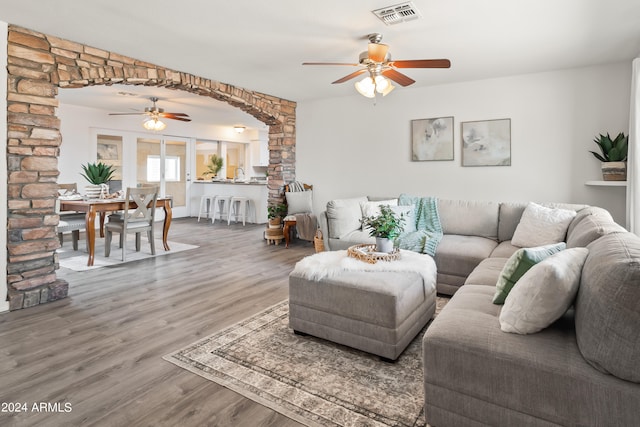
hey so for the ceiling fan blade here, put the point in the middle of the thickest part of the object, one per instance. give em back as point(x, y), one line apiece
point(164, 114)
point(421, 63)
point(126, 114)
point(328, 63)
point(398, 77)
point(173, 117)
point(350, 76)
point(378, 51)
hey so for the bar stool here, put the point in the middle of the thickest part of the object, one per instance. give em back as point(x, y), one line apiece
point(240, 205)
point(221, 204)
point(206, 205)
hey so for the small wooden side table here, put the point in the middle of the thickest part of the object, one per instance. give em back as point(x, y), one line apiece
point(289, 225)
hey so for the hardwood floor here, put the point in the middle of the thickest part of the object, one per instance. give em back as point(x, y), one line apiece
point(100, 350)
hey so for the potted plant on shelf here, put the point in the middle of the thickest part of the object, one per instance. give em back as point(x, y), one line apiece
point(385, 227)
point(98, 174)
point(214, 165)
point(613, 157)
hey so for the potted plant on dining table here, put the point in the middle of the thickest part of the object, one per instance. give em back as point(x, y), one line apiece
point(98, 175)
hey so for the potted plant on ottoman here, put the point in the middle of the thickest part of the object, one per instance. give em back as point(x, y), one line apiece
point(98, 175)
point(385, 227)
point(614, 156)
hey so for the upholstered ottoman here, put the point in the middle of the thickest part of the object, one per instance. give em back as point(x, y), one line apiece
point(367, 308)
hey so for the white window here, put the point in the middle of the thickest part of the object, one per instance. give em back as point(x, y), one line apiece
point(171, 168)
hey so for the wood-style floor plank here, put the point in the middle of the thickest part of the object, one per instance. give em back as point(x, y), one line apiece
point(100, 350)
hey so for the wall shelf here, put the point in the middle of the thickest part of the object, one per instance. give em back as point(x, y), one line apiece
point(607, 183)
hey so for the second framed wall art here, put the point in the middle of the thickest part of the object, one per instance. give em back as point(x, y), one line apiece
point(486, 143)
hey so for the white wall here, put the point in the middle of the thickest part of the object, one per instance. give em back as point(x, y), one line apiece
point(4, 305)
point(349, 147)
point(79, 147)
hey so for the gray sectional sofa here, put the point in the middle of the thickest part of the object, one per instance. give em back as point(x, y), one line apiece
point(583, 370)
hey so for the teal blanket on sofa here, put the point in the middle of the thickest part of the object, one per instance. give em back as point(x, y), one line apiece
point(428, 231)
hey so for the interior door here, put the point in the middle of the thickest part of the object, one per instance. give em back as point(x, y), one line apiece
point(164, 161)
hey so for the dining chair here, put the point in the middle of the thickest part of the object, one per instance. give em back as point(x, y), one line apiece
point(72, 222)
point(133, 219)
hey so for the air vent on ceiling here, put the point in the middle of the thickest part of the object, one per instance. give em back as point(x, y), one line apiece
point(402, 12)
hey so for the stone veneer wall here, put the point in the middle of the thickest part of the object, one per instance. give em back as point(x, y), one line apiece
point(38, 65)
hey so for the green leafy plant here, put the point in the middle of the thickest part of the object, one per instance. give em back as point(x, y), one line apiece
point(386, 224)
point(97, 173)
point(612, 150)
point(278, 210)
point(214, 165)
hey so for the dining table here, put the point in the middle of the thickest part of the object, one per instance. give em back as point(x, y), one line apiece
point(102, 206)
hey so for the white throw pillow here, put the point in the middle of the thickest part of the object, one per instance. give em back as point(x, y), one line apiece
point(541, 226)
point(373, 208)
point(544, 293)
point(299, 202)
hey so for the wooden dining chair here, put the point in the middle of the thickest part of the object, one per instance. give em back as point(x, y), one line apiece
point(138, 216)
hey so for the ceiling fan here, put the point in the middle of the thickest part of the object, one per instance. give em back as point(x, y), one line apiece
point(156, 113)
point(376, 61)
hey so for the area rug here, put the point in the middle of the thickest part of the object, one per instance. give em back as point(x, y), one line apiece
point(77, 260)
point(313, 381)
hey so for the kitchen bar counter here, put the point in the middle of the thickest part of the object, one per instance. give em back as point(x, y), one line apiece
point(231, 182)
point(256, 191)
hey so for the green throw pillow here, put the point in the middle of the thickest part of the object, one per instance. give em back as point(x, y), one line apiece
point(519, 263)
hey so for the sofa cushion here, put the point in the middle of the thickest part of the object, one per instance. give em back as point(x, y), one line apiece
point(459, 255)
point(508, 219)
point(588, 211)
point(544, 293)
point(487, 272)
point(540, 225)
point(356, 237)
point(469, 218)
point(607, 306)
point(343, 216)
point(589, 228)
point(504, 249)
point(518, 264)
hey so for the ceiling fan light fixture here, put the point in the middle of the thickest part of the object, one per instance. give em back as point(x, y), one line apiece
point(154, 124)
point(387, 90)
point(366, 87)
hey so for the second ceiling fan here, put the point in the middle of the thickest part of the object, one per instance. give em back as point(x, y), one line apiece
point(377, 62)
point(155, 113)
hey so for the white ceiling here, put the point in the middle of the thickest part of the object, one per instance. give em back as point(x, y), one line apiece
point(260, 45)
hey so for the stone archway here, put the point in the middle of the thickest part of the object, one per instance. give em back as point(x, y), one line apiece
point(38, 65)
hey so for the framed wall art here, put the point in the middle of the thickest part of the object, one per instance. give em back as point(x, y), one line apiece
point(432, 139)
point(486, 143)
point(109, 152)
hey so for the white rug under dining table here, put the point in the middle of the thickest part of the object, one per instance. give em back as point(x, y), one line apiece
point(77, 260)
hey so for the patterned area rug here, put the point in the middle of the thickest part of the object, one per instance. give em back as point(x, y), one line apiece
point(315, 382)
